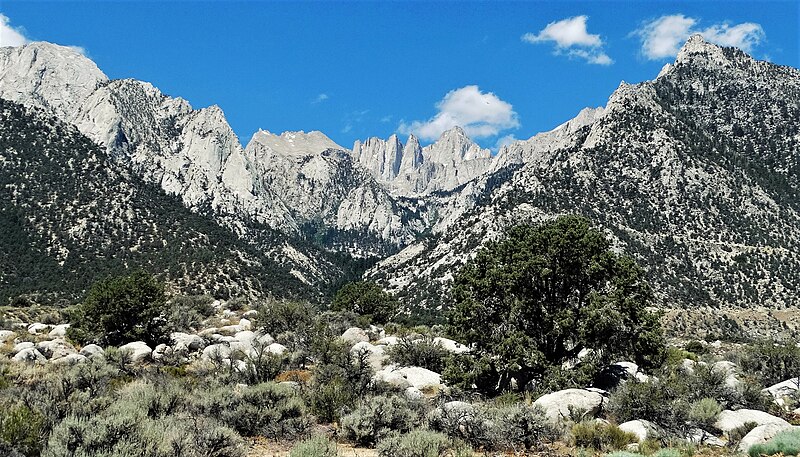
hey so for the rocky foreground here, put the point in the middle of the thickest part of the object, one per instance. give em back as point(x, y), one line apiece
point(229, 339)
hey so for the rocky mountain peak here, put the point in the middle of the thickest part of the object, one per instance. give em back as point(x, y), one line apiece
point(454, 146)
point(48, 76)
point(698, 51)
point(297, 143)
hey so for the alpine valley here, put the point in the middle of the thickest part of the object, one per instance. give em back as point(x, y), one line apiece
point(694, 173)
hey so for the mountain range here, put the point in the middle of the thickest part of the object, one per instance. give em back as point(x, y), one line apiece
point(693, 173)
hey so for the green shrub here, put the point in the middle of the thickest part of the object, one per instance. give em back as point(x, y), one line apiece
point(367, 299)
point(600, 436)
point(377, 418)
point(704, 412)
point(676, 356)
point(668, 400)
point(121, 310)
point(771, 362)
point(505, 427)
point(465, 422)
point(417, 443)
point(279, 317)
point(784, 443)
point(268, 409)
point(126, 432)
point(521, 426)
point(340, 377)
point(21, 429)
point(668, 452)
point(187, 312)
point(696, 347)
point(316, 446)
point(736, 435)
point(418, 353)
point(624, 454)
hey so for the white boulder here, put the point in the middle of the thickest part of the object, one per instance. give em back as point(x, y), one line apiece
point(7, 336)
point(91, 350)
point(355, 335)
point(21, 346)
point(218, 351)
point(412, 393)
point(375, 354)
point(59, 331)
point(450, 345)
point(139, 351)
point(184, 342)
point(36, 328)
point(729, 420)
point(277, 348)
point(730, 371)
point(557, 405)
point(29, 355)
point(388, 340)
point(70, 359)
point(422, 378)
point(393, 378)
point(761, 435)
point(55, 349)
point(783, 389)
point(700, 436)
point(643, 429)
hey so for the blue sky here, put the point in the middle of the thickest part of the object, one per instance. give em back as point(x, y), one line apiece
point(353, 70)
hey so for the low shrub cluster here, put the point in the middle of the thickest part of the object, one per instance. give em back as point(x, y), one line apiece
point(379, 417)
point(515, 427)
point(678, 400)
point(316, 446)
point(418, 443)
point(421, 352)
point(600, 436)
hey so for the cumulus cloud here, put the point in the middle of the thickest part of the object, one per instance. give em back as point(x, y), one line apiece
point(504, 141)
point(320, 98)
point(571, 38)
point(662, 37)
point(480, 114)
point(10, 36)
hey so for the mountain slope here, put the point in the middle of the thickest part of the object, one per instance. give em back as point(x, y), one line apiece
point(296, 185)
point(69, 217)
point(693, 173)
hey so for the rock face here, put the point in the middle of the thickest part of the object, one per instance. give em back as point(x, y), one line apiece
point(408, 169)
point(558, 405)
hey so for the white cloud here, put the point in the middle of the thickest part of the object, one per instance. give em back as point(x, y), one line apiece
point(504, 141)
point(480, 114)
point(744, 36)
point(662, 37)
point(320, 98)
point(10, 36)
point(572, 39)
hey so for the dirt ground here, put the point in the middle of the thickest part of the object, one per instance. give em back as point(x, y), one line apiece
point(265, 448)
